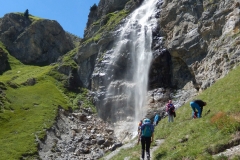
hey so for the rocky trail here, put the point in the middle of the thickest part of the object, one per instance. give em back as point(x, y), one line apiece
point(158, 143)
point(231, 152)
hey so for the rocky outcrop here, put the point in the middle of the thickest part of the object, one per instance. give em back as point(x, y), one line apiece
point(108, 6)
point(3, 61)
point(202, 38)
point(38, 42)
point(85, 58)
point(97, 16)
point(78, 135)
point(98, 12)
point(2, 96)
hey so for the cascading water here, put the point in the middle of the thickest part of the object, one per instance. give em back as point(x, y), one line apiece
point(127, 81)
point(142, 53)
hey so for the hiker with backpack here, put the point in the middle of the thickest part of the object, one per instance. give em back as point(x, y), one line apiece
point(170, 110)
point(197, 108)
point(146, 136)
point(156, 119)
point(139, 126)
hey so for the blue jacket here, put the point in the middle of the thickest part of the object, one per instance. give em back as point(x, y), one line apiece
point(156, 118)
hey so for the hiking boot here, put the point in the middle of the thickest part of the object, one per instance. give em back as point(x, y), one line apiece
point(148, 157)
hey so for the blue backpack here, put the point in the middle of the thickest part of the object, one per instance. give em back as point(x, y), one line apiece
point(147, 131)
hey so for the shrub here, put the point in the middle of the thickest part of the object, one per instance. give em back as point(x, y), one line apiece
point(225, 122)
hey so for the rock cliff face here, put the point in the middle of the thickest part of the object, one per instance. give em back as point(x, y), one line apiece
point(202, 38)
point(195, 44)
point(38, 42)
point(97, 17)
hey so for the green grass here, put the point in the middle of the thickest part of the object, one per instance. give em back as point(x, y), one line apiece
point(206, 135)
point(67, 59)
point(27, 111)
point(31, 17)
point(27, 114)
point(111, 20)
point(83, 98)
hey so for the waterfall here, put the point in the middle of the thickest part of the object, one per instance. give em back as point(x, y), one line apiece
point(128, 67)
point(142, 53)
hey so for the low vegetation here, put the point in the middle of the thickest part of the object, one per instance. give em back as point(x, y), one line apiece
point(188, 138)
point(30, 97)
point(108, 23)
point(31, 17)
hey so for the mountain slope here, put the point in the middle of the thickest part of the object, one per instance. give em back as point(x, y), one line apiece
point(30, 100)
point(217, 130)
point(30, 97)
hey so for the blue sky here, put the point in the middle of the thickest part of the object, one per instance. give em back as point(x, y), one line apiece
point(72, 15)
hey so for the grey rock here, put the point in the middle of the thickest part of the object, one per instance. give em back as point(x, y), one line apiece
point(39, 42)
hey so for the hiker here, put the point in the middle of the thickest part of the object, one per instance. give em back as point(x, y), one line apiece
point(197, 107)
point(139, 126)
point(156, 119)
point(170, 110)
point(146, 136)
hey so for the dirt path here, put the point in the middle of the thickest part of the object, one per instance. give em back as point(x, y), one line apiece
point(128, 145)
point(158, 142)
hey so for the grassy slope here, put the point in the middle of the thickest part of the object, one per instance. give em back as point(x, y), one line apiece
point(206, 135)
point(27, 110)
point(31, 113)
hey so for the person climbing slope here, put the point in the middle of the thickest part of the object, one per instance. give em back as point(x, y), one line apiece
point(197, 107)
point(156, 119)
point(146, 136)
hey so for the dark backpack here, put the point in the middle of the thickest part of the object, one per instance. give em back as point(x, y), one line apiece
point(171, 109)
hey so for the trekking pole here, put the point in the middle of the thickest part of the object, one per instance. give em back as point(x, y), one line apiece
point(207, 113)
